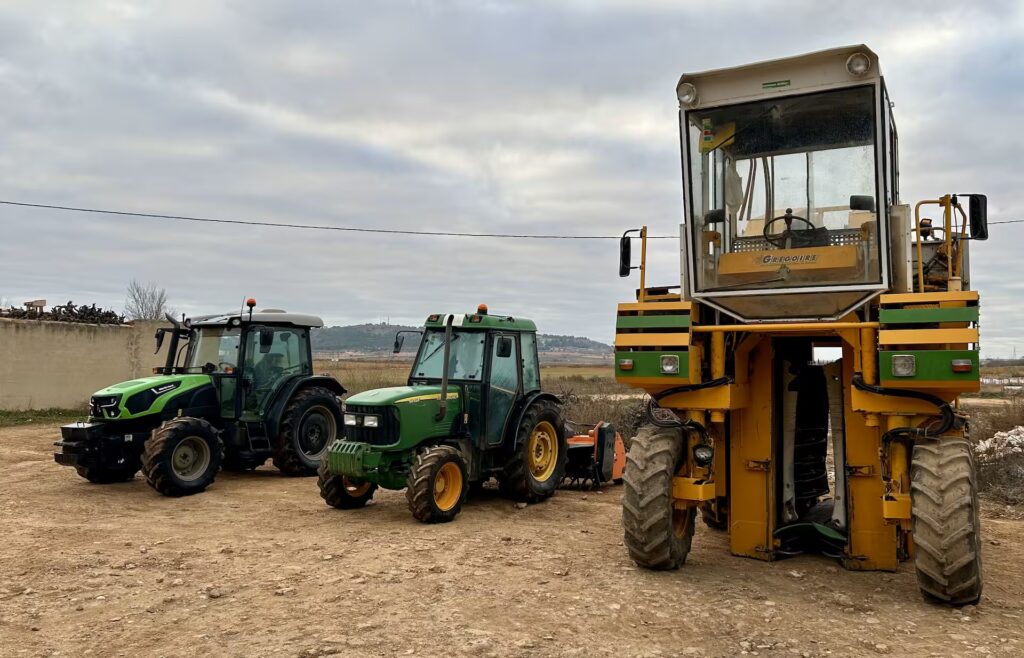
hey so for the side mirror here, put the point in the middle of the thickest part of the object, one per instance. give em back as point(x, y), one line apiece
point(266, 340)
point(714, 216)
point(399, 341)
point(862, 202)
point(504, 347)
point(159, 340)
point(624, 256)
point(978, 209)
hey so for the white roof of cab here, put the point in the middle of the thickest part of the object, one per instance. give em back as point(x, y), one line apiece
point(260, 316)
point(814, 71)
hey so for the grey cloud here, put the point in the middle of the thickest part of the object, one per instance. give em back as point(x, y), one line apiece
point(507, 116)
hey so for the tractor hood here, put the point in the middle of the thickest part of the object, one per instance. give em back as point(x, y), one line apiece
point(140, 397)
point(402, 395)
point(157, 382)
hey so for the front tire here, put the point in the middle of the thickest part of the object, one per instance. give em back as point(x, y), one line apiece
point(657, 534)
point(437, 484)
point(309, 426)
point(946, 522)
point(182, 457)
point(538, 465)
point(340, 492)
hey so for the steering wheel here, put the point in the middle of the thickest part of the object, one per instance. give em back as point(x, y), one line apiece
point(789, 234)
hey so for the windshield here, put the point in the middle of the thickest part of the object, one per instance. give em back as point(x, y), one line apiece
point(810, 156)
point(214, 345)
point(466, 359)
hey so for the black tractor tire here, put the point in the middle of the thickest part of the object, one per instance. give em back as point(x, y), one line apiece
point(182, 457)
point(110, 473)
point(340, 492)
point(310, 424)
point(527, 480)
point(946, 521)
point(657, 535)
point(437, 484)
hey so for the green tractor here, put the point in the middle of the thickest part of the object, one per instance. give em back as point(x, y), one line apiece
point(245, 393)
point(473, 409)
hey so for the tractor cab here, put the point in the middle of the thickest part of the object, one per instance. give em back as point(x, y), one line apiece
point(491, 359)
point(247, 357)
point(790, 185)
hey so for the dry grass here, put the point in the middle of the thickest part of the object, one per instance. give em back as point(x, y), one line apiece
point(1000, 479)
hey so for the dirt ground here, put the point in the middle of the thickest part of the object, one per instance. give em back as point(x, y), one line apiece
point(259, 566)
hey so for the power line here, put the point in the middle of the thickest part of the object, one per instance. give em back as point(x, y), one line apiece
point(350, 229)
point(320, 227)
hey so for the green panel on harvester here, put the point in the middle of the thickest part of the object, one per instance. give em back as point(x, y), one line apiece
point(928, 315)
point(932, 365)
point(652, 321)
point(648, 364)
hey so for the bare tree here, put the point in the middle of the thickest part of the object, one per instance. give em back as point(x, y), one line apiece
point(145, 301)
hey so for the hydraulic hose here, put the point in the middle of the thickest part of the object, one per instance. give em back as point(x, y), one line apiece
point(946, 412)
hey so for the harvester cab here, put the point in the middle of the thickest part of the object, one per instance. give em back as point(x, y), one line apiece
point(472, 409)
point(235, 390)
point(816, 314)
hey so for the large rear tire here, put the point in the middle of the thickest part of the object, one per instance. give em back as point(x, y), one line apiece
point(340, 492)
point(182, 457)
point(437, 484)
point(309, 426)
point(946, 522)
point(538, 465)
point(657, 534)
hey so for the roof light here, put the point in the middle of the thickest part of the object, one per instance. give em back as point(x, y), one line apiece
point(687, 94)
point(482, 309)
point(858, 64)
point(251, 302)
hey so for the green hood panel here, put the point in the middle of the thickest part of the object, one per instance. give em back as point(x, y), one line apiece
point(402, 395)
point(148, 395)
point(137, 385)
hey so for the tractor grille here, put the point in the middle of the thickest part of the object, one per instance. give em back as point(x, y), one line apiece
point(385, 434)
point(104, 406)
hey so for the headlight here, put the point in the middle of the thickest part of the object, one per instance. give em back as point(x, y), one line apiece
point(371, 421)
point(687, 94)
point(904, 365)
point(350, 419)
point(669, 364)
point(858, 64)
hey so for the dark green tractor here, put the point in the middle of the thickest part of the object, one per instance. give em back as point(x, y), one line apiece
point(473, 409)
point(244, 394)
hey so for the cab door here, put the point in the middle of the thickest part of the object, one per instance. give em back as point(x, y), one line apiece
point(272, 355)
point(504, 383)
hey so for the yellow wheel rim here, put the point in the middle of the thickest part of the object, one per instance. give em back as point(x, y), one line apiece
point(542, 451)
point(447, 486)
point(355, 489)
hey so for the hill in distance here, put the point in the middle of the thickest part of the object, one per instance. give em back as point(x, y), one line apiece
point(378, 339)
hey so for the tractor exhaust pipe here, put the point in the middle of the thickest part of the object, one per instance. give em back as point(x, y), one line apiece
point(172, 349)
point(442, 408)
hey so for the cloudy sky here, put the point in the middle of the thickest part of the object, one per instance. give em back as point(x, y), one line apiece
point(530, 116)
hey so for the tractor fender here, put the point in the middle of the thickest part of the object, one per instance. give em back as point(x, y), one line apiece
point(289, 389)
point(520, 410)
